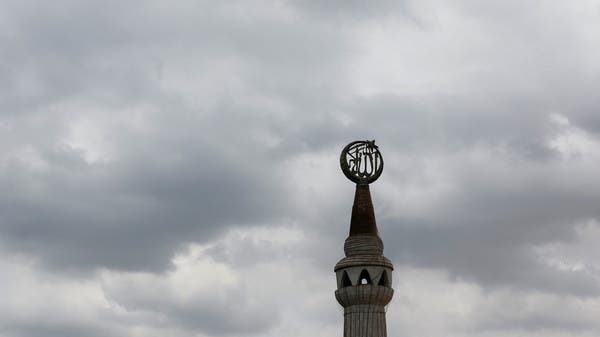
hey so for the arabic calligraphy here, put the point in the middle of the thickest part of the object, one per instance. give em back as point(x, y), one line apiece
point(362, 162)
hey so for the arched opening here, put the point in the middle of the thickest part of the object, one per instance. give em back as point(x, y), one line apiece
point(346, 280)
point(364, 277)
point(383, 280)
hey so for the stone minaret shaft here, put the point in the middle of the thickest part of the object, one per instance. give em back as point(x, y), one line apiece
point(364, 276)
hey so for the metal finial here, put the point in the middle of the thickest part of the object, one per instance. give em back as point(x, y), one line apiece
point(361, 161)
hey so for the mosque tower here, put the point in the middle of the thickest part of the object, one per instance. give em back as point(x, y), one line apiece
point(364, 276)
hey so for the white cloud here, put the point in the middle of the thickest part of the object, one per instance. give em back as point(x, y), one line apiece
point(573, 142)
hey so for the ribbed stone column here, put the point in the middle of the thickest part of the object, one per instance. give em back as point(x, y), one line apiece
point(364, 276)
point(364, 310)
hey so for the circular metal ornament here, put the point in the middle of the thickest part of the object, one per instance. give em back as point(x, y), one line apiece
point(361, 161)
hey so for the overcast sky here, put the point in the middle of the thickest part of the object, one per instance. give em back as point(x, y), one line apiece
point(170, 169)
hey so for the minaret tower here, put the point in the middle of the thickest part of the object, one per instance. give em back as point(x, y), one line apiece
point(364, 276)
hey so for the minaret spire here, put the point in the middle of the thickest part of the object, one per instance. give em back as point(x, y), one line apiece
point(363, 214)
point(364, 276)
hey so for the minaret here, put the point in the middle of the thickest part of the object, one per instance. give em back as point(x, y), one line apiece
point(364, 276)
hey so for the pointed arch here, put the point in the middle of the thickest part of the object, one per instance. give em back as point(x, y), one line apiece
point(364, 277)
point(346, 280)
point(383, 280)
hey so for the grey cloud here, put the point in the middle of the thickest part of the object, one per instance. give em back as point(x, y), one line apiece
point(130, 216)
point(55, 330)
point(486, 230)
point(203, 105)
point(523, 313)
point(196, 172)
point(487, 259)
point(214, 316)
point(357, 12)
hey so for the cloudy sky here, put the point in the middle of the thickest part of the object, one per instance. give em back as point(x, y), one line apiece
point(171, 169)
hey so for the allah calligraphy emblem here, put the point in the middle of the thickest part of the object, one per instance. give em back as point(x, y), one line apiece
point(361, 161)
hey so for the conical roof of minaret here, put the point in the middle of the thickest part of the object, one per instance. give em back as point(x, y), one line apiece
point(363, 214)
